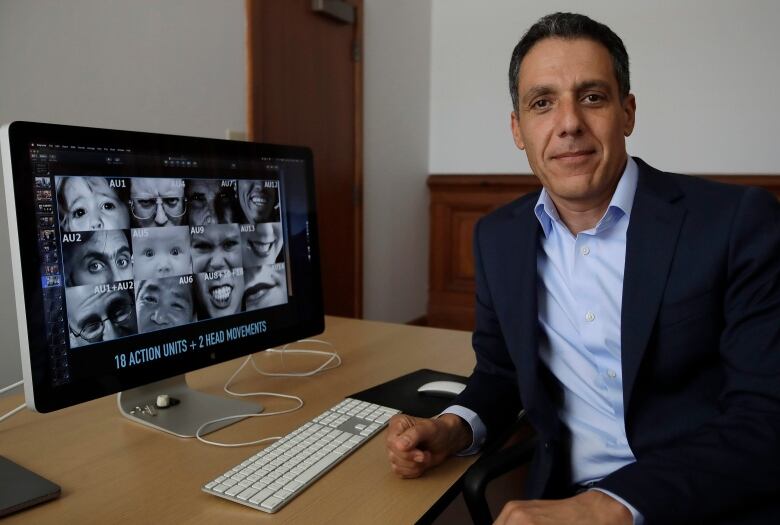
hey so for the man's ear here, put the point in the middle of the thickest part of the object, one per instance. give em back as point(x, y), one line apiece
point(516, 135)
point(629, 108)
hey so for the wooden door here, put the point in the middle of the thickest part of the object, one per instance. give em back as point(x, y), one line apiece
point(305, 88)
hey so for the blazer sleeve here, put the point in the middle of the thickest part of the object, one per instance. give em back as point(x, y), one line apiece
point(734, 459)
point(492, 390)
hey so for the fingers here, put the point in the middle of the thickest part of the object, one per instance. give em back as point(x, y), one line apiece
point(405, 445)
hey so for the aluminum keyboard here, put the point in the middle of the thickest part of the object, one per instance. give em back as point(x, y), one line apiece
point(271, 478)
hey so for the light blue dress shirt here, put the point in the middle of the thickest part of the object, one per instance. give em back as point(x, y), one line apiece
point(580, 290)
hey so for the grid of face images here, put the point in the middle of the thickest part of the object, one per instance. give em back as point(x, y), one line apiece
point(144, 254)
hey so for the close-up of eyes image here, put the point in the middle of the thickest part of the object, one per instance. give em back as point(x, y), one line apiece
point(97, 257)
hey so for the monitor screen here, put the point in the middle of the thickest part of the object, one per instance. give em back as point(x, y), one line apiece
point(137, 256)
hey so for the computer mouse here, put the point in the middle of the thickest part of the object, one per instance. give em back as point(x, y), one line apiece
point(442, 389)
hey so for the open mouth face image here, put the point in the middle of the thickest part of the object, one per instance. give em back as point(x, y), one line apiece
point(266, 286)
point(259, 200)
point(161, 252)
point(157, 202)
point(217, 247)
point(95, 315)
point(98, 257)
point(89, 203)
point(211, 202)
point(220, 292)
point(163, 303)
point(263, 245)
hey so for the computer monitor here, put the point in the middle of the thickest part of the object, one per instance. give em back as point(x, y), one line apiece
point(138, 257)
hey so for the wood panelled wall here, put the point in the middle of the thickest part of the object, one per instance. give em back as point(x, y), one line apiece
point(457, 202)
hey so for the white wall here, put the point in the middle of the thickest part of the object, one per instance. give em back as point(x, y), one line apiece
point(396, 113)
point(705, 75)
point(176, 66)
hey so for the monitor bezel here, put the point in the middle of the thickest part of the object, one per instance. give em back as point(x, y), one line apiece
point(28, 291)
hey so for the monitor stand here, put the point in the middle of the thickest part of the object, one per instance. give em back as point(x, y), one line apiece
point(189, 408)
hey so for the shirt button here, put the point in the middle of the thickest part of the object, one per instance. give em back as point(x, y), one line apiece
point(584, 250)
point(590, 316)
point(611, 373)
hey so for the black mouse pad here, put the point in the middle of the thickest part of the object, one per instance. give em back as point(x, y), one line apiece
point(401, 393)
point(21, 488)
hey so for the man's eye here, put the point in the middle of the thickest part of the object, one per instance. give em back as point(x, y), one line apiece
point(171, 201)
point(79, 212)
point(593, 98)
point(123, 262)
point(541, 104)
point(198, 197)
point(148, 252)
point(150, 299)
point(203, 247)
point(147, 203)
point(96, 267)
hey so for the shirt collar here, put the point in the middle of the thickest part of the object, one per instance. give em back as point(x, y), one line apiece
point(621, 203)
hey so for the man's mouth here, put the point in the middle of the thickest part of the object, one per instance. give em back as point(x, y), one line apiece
point(220, 295)
point(574, 156)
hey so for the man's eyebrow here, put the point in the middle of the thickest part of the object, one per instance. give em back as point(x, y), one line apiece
point(590, 84)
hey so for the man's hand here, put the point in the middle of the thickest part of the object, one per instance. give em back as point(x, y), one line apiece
point(415, 444)
point(589, 507)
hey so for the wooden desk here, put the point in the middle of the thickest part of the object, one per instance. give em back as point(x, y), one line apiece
point(112, 470)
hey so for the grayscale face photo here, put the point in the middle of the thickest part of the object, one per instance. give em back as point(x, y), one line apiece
point(217, 247)
point(95, 316)
point(220, 292)
point(157, 202)
point(211, 202)
point(98, 257)
point(266, 286)
point(89, 203)
point(161, 252)
point(263, 245)
point(259, 200)
point(163, 303)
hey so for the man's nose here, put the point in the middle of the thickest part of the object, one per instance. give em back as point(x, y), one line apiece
point(160, 218)
point(159, 317)
point(569, 118)
point(109, 330)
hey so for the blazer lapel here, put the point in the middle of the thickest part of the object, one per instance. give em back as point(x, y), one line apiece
point(656, 219)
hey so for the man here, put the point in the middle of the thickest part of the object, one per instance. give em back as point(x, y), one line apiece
point(635, 314)
point(97, 314)
point(210, 202)
point(97, 257)
point(163, 303)
point(157, 202)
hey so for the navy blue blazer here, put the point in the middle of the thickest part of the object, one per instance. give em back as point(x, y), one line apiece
point(700, 334)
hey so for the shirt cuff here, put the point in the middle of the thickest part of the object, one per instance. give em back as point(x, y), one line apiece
point(478, 430)
point(638, 518)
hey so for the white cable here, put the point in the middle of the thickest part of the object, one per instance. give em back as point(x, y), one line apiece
point(15, 410)
point(333, 357)
point(12, 412)
point(226, 388)
point(11, 387)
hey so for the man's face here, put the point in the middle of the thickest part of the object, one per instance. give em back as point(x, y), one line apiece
point(218, 247)
point(95, 316)
point(92, 205)
point(209, 203)
point(157, 202)
point(265, 286)
point(161, 252)
point(163, 303)
point(571, 120)
point(103, 258)
point(257, 199)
